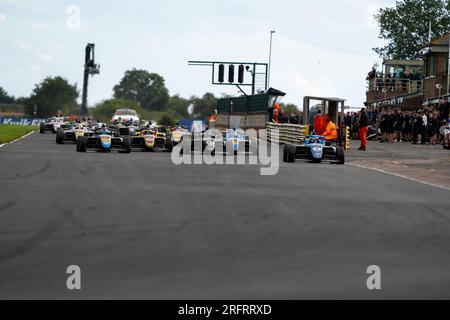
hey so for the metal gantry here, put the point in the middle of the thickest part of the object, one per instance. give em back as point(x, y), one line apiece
point(90, 68)
point(254, 68)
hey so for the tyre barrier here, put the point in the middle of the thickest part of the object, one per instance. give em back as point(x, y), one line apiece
point(287, 133)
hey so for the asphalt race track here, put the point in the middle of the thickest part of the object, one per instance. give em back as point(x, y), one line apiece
point(141, 227)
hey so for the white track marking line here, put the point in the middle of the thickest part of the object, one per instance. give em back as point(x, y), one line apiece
point(401, 176)
point(22, 137)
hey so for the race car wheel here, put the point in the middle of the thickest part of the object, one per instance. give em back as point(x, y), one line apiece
point(286, 153)
point(42, 128)
point(81, 143)
point(291, 154)
point(340, 155)
point(126, 145)
point(169, 144)
point(60, 136)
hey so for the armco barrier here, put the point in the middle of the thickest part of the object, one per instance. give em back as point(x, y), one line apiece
point(21, 121)
point(287, 133)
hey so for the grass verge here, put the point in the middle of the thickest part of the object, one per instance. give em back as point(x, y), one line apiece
point(10, 132)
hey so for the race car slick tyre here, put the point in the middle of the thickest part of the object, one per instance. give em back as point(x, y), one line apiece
point(42, 128)
point(286, 153)
point(126, 145)
point(81, 143)
point(340, 155)
point(60, 136)
point(169, 144)
point(78, 144)
point(291, 154)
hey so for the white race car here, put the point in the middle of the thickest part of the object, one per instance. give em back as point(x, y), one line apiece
point(125, 115)
point(51, 124)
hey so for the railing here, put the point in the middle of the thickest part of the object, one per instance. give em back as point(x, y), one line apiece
point(287, 133)
point(400, 85)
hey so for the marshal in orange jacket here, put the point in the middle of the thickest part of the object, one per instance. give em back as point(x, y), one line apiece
point(330, 133)
point(319, 124)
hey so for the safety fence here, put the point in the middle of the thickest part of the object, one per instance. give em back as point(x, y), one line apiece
point(286, 133)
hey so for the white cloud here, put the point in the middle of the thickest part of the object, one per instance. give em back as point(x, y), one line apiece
point(372, 10)
point(2, 18)
point(39, 26)
point(36, 69)
point(45, 57)
point(22, 45)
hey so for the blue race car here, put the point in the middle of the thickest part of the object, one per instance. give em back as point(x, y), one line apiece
point(104, 140)
point(316, 149)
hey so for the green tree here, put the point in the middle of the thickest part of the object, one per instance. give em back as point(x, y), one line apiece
point(104, 110)
point(52, 95)
point(147, 89)
point(405, 27)
point(179, 106)
point(168, 119)
point(289, 108)
point(203, 107)
point(4, 97)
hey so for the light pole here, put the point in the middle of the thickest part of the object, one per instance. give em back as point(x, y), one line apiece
point(439, 87)
point(385, 92)
point(448, 68)
point(270, 58)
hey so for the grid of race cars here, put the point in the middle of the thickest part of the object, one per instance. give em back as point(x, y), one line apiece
point(125, 136)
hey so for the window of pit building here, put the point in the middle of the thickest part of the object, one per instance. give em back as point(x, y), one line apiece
point(431, 66)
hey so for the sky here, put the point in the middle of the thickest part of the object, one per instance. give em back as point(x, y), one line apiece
point(320, 48)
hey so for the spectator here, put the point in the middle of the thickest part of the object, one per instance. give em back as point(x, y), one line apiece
point(424, 127)
point(383, 122)
point(293, 119)
point(399, 125)
point(417, 128)
point(407, 131)
point(363, 128)
point(355, 119)
point(390, 120)
point(433, 128)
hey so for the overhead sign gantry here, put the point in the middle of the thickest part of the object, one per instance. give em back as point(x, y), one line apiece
point(249, 74)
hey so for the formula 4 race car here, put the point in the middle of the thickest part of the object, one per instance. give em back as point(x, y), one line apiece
point(71, 132)
point(51, 125)
point(147, 139)
point(104, 140)
point(178, 133)
point(231, 141)
point(125, 128)
point(316, 149)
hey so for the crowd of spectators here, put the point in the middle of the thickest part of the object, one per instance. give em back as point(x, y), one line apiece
point(398, 80)
point(394, 125)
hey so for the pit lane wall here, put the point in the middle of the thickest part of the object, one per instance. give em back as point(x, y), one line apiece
point(21, 121)
point(286, 133)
